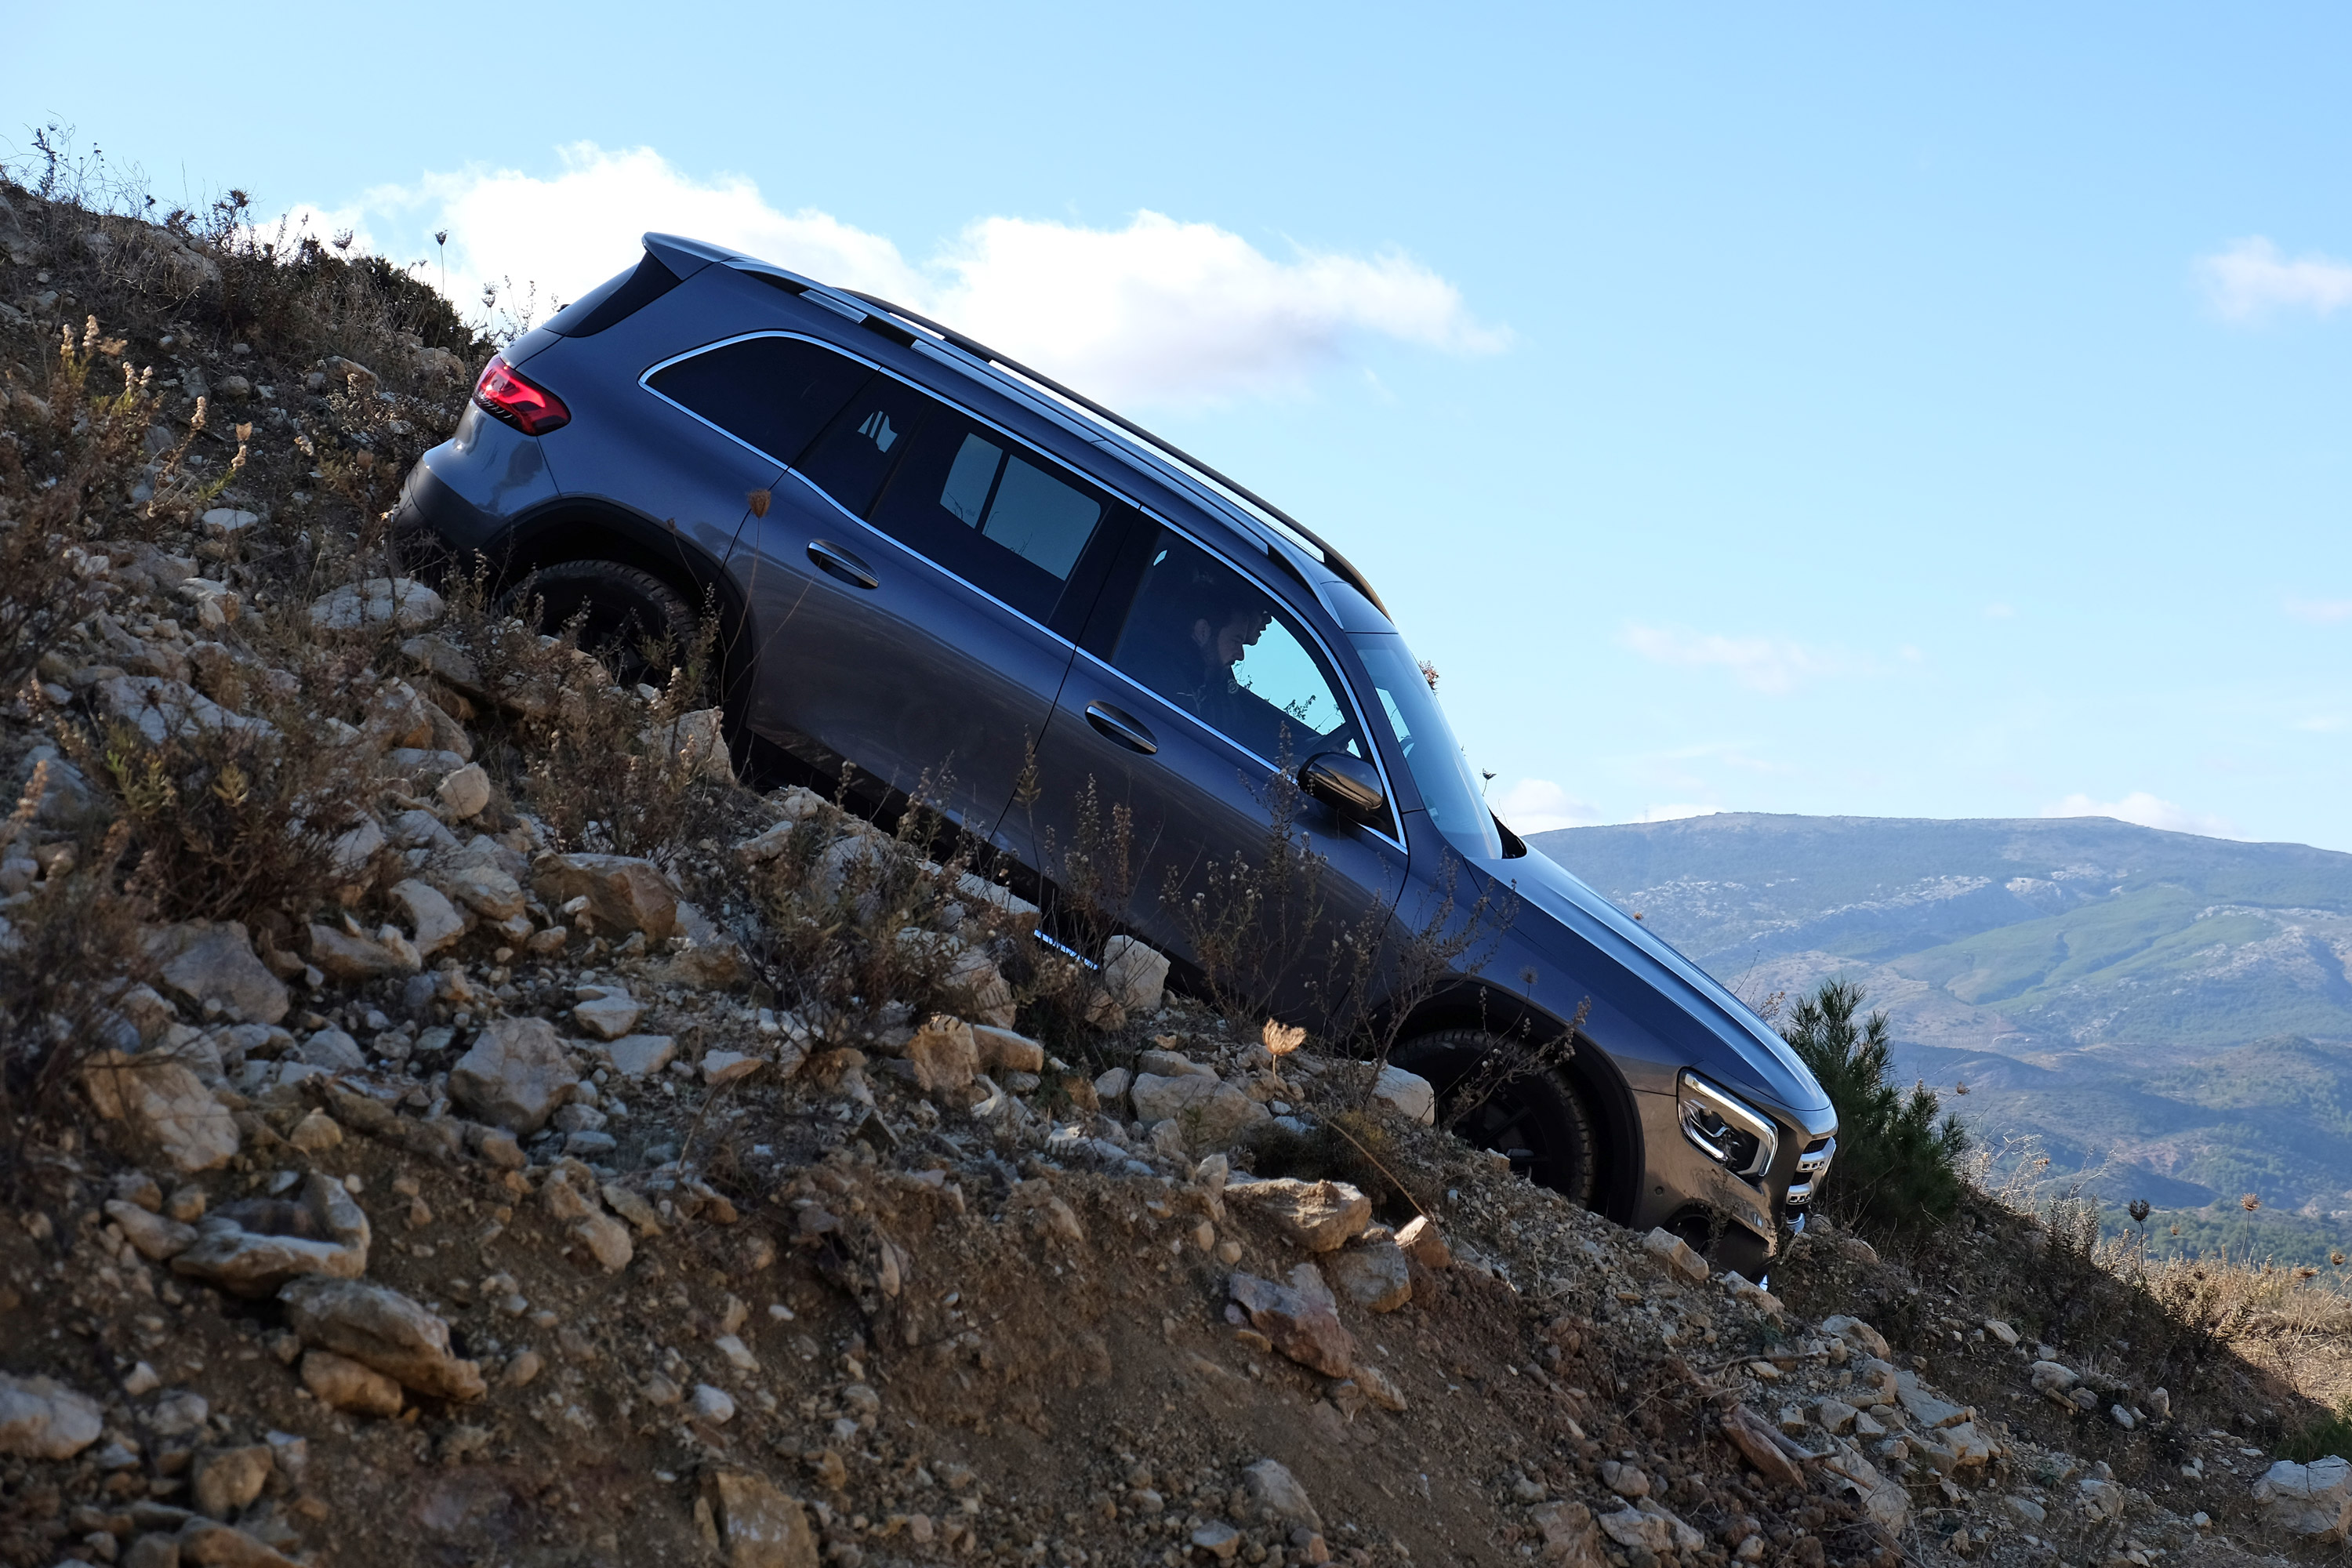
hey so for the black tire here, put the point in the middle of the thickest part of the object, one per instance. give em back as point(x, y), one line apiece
point(1539, 1118)
point(628, 611)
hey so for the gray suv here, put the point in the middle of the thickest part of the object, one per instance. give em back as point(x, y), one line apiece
point(931, 560)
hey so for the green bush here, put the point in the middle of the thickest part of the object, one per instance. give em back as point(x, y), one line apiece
point(1897, 1167)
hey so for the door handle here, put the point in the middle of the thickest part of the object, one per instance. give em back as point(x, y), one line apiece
point(1120, 727)
point(832, 560)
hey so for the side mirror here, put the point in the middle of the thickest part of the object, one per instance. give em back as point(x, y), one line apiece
point(1348, 786)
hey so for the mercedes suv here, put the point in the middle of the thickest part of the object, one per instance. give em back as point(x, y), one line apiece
point(932, 561)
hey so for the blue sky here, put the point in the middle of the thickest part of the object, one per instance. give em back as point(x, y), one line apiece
point(1851, 412)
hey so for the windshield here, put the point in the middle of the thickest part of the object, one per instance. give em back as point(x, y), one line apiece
point(1448, 788)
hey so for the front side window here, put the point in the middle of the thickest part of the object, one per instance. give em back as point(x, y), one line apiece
point(1448, 785)
point(978, 504)
point(774, 393)
point(1216, 645)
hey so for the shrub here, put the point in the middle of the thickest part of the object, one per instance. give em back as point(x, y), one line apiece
point(1898, 1165)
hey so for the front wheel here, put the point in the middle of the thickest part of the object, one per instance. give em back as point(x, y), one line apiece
point(1536, 1115)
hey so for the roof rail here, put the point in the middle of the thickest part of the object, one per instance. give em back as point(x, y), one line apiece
point(1338, 562)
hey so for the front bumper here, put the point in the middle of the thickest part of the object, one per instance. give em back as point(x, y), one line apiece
point(1734, 1220)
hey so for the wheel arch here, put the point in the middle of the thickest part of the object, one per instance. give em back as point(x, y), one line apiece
point(1477, 1005)
point(581, 529)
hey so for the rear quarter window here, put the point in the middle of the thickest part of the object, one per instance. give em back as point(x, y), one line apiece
point(774, 393)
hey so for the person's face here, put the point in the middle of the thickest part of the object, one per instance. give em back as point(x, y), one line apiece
point(1224, 645)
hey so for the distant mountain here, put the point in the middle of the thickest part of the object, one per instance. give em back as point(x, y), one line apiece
point(2170, 1013)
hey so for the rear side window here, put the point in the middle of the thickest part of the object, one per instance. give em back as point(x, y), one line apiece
point(990, 510)
point(868, 439)
point(774, 392)
point(613, 300)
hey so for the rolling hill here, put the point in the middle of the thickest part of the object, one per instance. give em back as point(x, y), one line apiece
point(2171, 1014)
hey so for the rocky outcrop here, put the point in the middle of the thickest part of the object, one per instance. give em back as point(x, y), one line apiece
point(164, 1106)
point(381, 1328)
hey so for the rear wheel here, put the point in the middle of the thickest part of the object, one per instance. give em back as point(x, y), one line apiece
point(1537, 1116)
point(627, 616)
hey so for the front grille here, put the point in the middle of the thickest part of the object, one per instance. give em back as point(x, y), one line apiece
point(1812, 1166)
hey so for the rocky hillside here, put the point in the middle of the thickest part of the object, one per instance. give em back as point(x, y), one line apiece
point(450, 1120)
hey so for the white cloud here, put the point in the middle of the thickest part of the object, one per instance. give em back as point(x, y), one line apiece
point(1158, 311)
point(2320, 612)
point(1761, 664)
point(2000, 612)
point(2249, 279)
point(2322, 724)
point(1538, 805)
point(2148, 811)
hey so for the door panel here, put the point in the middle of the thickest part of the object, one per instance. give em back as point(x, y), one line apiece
point(1208, 685)
point(903, 592)
point(915, 677)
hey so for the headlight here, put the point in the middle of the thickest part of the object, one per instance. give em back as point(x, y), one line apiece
point(1724, 1128)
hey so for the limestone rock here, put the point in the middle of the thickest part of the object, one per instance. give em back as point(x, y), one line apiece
point(726, 1066)
point(1423, 1244)
point(165, 1106)
point(1759, 1445)
point(759, 1525)
point(465, 791)
point(211, 1544)
point(1301, 1327)
point(227, 1480)
point(215, 963)
point(944, 1054)
point(1630, 1527)
point(377, 600)
point(1859, 1334)
point(331, 1050)
point(381, 1328)
point(348, 1385)
point(2313, 1500)
point(1569, 1534)
point(252, 1247)
point(609, 1017)
point(1373, 1275)
point(158, 1239)
point(41, 1418)
point(980, 989)
point(2001, 1330)
point(1408, 1095)
point(486, 889)
point(2053, 1377)
point(1210, 1114)
point(637, 1056)
point(515, 1075)
point(1276, 1497)
point(1379, 1388)
point(1677, 1254)
point(624, 894)
point(433, 919)
point(1001, 1050)
point(1317, 1215)
point(1135, 974)
point(340, 955)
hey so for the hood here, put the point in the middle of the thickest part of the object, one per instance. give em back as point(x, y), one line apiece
point(1648, 958)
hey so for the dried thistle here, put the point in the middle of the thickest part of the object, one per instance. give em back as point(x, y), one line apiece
point(1281, 1039)
point(2140, 1210)
point(2250, 1203)
point(759, 499)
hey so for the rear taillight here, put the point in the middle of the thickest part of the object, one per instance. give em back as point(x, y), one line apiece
point(504, 394)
